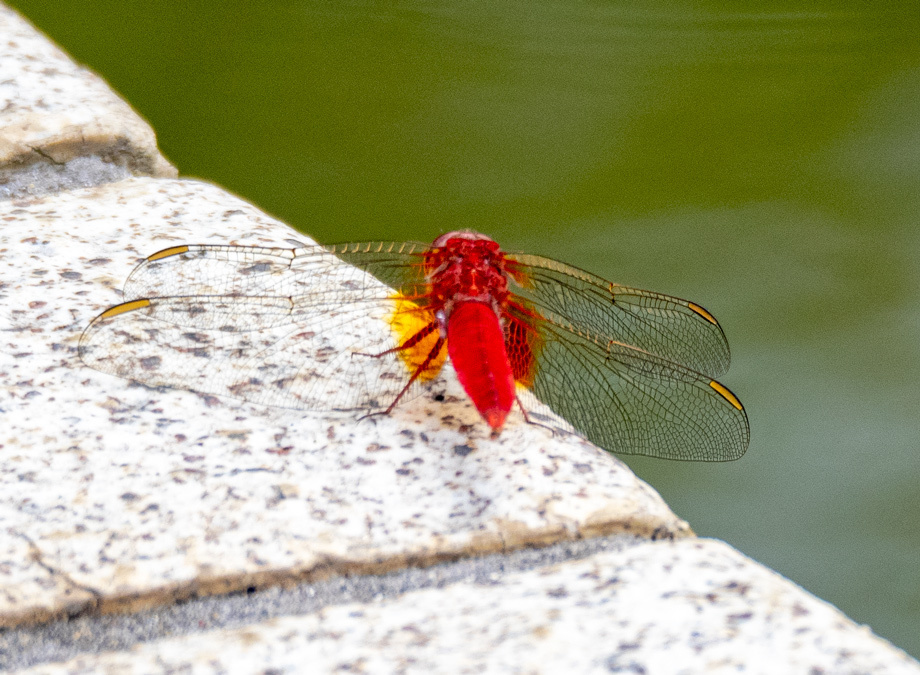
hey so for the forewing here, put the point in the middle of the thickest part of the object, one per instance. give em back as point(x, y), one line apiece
point(398, 264)
point(632, 402)
point(278, 272)
point(674, 329)
point(197, 321)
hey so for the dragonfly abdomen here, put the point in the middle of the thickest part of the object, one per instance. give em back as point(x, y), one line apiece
point(476, 345)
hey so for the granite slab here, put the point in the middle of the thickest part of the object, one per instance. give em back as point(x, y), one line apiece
point(682, 606)
point(127, 496)
point(61, 126)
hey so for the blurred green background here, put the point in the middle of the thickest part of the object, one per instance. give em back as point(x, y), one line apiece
point(760, 158)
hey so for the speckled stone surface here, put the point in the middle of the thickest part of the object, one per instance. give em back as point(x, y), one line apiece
point(687, 606)
point(61, 126)
point(117, 496)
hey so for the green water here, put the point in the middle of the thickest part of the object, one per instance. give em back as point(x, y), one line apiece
point(758, 158)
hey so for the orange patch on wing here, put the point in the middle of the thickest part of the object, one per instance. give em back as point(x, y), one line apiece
point(406, 320)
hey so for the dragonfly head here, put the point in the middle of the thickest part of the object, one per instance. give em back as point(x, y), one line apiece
point(460, 234)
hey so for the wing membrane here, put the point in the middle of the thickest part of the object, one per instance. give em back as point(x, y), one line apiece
point(672, 328)
point(249, 270)
point(399, 265)
point(632, 402)
point(304, 346)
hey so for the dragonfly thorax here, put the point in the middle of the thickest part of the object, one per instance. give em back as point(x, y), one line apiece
point(466, 267)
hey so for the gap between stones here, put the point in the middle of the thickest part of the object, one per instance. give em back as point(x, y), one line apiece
point(59, 641)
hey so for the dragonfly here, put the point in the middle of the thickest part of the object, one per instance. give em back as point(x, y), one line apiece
point(361, 327)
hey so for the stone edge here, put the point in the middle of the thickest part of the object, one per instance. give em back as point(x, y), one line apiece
point(510, 537)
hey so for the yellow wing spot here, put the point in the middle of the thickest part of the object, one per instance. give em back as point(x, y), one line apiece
point(726, 394)
point(406, 320)
point(703, 313)
point(124, 307)
point(167, 252)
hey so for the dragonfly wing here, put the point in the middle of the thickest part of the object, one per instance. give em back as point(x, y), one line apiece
point(279, 272)
point(632, 402)
point(674, 329)
point(290, 352)
point(398, 264)
point(218, 270)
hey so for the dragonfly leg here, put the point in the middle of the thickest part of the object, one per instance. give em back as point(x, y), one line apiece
point(530, 421)
point(432, 355)
point(409, 344)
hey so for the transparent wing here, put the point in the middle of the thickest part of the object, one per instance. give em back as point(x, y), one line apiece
point(674, 329)
point(280, 272)
point(632, 402)
point(292, 328)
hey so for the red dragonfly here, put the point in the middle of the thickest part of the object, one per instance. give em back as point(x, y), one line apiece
point(363, 326)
